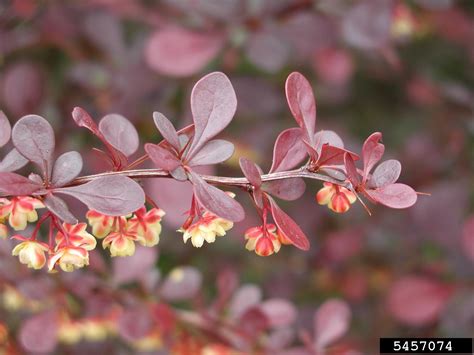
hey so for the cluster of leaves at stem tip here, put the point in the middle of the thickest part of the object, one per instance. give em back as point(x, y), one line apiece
point(121, 214)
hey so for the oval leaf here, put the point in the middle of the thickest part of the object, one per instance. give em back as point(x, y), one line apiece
point(288, 189)
point(66, 168)
point(161, 157)
point(39, 333)
point(59, 208)
point(13, 161)
point(33, 137)
point(299, 95)
point(120, 133)
point(386, 173)
point(251, 172)
point(167, 130)
point(372, 152)
point(327, 137)
point(181, 284)
point(5, 129)
point(330, 155)
point(394, 196)
point(289, 227)
point(351, 170)
point(111, 195)
point(213, 152)
point(279, 312)
point(289, 150)
point(17, 185)
point(213, 104)
point(331, 321)
point(83, 119)
point(216, 201)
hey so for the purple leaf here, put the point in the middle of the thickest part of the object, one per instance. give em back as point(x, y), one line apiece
point(288, 151)
point(66, 168)
point(181, 284)
point(135, 267)
point(299, 95)
point(167, 130)
point(243, 299)
point(331, 321)
point(288, 189)
point(111, 195)
point(120, 133)
point(213, 104)
point(216, 201)
point(135, 323)
point(288, 227)
point(13, 161)
point(372, 152)
point(5, 129)
point(59, 208)
point(161, 157)
point(394, 196)
point(333, 155)
point(39, 333)
point(279, 312)
point(83, 119)
point(386, 173)
point(17, 185)
point(251, 172)
point(351, 170)
point(180, 52)
point(33, 137)
point(213, 152)
point(327, 137)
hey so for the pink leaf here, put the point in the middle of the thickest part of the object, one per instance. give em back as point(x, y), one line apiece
point(288, 227)
point(330, 155)
point(161, 157)
point(5, 129)
point(243, 299)
point(180, 52)
point(66, 168)
point(13, 161)
point(59, 208)
point(299, 95)
point(83, 119)
point(167, 130)
point(279, 312)
point(386, 173)
point(213, 152)
point(17, 185)
point(39, 333)
point(181, 284)
point(327, 137)
point(135, 323)
point(394, 195)
point(372, 152)
point(416, 300)
point(135, 267)
point(251, 172)
point(213, 104)
point(111, 195)
point(288, 189)
point(216, 201)
point(33, 137)
point(288, 151)
point(351, 170)
point(331, 321)
point(120, 133)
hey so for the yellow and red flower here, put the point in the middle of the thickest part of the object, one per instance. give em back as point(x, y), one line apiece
point(264, 240)
point(101, 224)
point(122, 241)
point(30, 252)
point(76, 236)
point(337, 198)
point(69, 258)
point(207, 228)
point(19, 211)
point(147, 225)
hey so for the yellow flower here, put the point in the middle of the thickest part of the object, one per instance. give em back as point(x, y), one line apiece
point(122, 241)
point(264, 241)
point(207, 228)
point(76, 236)
point(69, 258)
point(31, 253)
point(101, 224)
point(20, 211)
point(147, 226)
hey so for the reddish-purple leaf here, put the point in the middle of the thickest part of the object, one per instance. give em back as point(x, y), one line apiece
point(279, 312)
point(57, 206)
point(120, 133)
point(288, 227)
point(180, 52)
point(327, 137)
point(216, 201)
point(39, 333)
point(13, 161)
point(5, 129)
point(213, 152)
point(83, 119)
point(288, 189)
point(299, 95)
point(330, 155)
point(17, 185)
point(33, 137)
point(167, 130)
point(394, 195)
point(251, 172)
point(66, 168)
point(213, 104)
point(416, 300)
point(181, 284)
point(289, 150)
point(111, 195)
point(386, 173)
point(372, 152)
point(331, 321)
point(135, 267)
point(243, 299)
point(351, 170)
point(161, 157)
point(135, 323)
